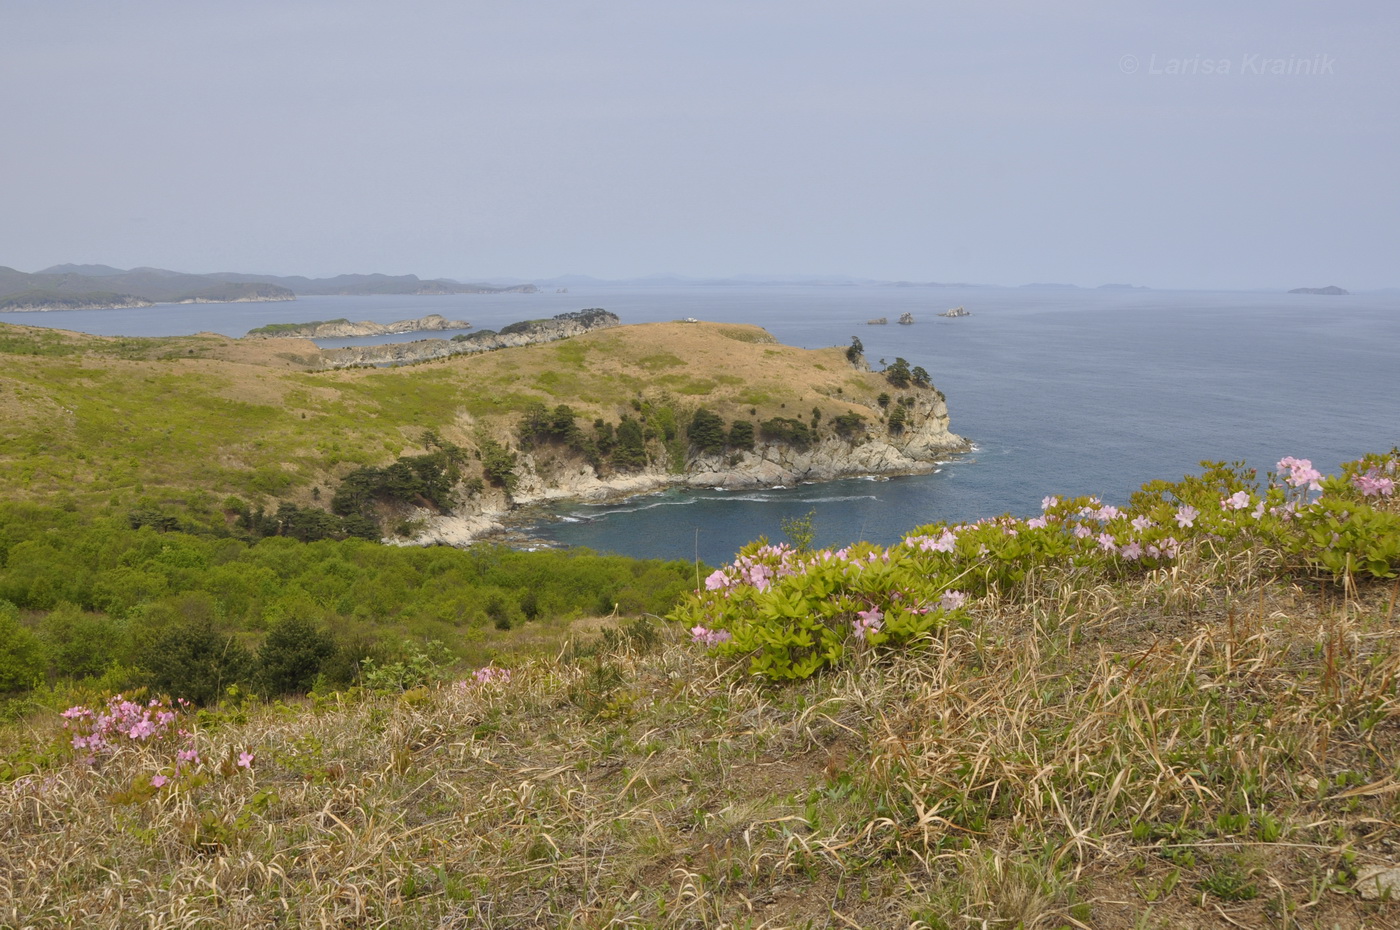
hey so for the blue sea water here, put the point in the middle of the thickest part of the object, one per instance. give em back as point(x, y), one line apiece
point(1063, 391)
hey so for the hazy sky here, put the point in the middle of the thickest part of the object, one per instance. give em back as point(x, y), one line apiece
point(1138, 142)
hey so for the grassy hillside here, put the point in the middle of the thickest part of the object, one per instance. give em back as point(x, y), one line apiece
point(1102, 729)
point(180, 423)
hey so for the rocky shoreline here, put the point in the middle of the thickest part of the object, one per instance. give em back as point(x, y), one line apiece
point(529, 332)
point(542, 481)
point(341, 329)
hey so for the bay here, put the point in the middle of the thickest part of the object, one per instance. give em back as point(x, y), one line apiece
point(1064, 391)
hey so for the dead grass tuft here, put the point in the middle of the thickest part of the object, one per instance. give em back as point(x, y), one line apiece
point(1207, 747)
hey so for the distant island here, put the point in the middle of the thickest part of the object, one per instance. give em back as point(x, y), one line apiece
point(95, 287)
point(955, 312)
point(1330, 290)
point(342, 328)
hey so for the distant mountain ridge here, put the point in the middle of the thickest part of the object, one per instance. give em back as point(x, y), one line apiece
point(65, 287)
point(1330, 290)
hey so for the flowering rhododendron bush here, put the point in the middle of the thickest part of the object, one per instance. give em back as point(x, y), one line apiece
point(793, 613)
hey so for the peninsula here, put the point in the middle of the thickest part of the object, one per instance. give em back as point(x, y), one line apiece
point(443, 450)
point(342, 328)
point(90, 287)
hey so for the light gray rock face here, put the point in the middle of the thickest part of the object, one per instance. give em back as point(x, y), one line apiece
point(1379, 882)
point(545, 476)
point(917, 450)
point(342, 329)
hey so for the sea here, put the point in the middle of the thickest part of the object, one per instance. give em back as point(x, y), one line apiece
point(1063, 391)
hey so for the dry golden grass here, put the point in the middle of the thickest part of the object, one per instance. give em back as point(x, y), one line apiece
point(1204, 748)
point(221, 416)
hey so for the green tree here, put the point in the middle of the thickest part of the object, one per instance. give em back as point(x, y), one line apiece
point(741, 435)
point(630, 451)
point(195, 661)
point(785, 429)
point(497, 463)
point(81, 645)
point(849, 425)
point(707, 432)
point(898, 418)
point(292, 655)
point(898, 373)
point(21, 652)
point(856, 351)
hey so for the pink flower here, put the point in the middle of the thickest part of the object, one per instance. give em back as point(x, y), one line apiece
point(1132, 551)
point(1082, 532)
point(1107, 543)
point(245, 760)
point(707, 637)
point(867, 622)
point(716, 579)
point(1037, 523)
point(1237, 501)
point(1047, 502)
point(952, 600)
point(1186, 516)
point(1300, 472)
point(159, 781)
point(1372, 484)
point(1142, 523)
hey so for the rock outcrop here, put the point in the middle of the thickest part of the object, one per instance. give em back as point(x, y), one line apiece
point(525, 333)
point(341, 329)
point(543, 477)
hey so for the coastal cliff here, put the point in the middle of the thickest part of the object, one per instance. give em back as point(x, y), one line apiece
point(543, 476)
point(448, 450)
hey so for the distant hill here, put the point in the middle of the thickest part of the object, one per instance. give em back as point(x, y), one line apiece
point(37, 300)
point(1330, 290)
point(92, 271)
point(362, 284)
point(102, 286)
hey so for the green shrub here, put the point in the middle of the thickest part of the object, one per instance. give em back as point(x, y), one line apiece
point(21, 652)
point(81, 645)
point(292, 656)
point(741, 435)
point(193, 660)
point(706, 432)
point(786, 430)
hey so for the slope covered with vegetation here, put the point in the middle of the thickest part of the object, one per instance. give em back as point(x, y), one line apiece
point(175, 427)
point(1181, 712)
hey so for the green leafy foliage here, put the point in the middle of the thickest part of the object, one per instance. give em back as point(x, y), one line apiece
point(630, 451)
point(856, 351)
point(794, 613)
point(707, 432)
point(100, 596)
point(741, 435)
point(849, 425)
point(423, 480)
point(786, 430)
point(21, 652)
point(196, 661)
point(292, 656)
